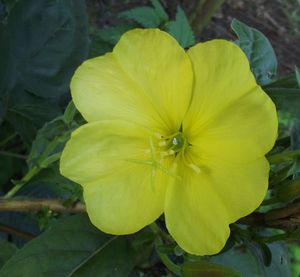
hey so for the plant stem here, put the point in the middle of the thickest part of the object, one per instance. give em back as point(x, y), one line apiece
point(6, 140)
point(16, 232)
point(205, 13)
point(44, 161)
point(13, 155)
point(18, 185)
point(166, 260)
point(164, 257)
point(33, 205)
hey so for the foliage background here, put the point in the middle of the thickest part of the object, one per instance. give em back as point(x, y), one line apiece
point(41, 44)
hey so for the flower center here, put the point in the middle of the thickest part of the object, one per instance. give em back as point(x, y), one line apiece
point(173, 144)
point(178, 142)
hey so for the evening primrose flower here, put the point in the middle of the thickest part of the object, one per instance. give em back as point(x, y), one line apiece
point(173, 132)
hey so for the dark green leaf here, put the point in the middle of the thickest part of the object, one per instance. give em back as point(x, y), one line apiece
point(244, 261)
point(261, 251)
point(143, 243)
point(181, 29)
point(27, 113)
point(289, 81)
point(258, 49)
point(54, 40)
point(160, 10)
point(145, 16)
point(285, 99)
point(40, 47)
point(7, 249)
point(204, 268)
point(113, 34)
point(50, 140)
point(49, 183)
point(72, 247)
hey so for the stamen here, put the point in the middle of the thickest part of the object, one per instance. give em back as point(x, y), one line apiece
point(167, 153)
point(195, 168)
point(162, 143)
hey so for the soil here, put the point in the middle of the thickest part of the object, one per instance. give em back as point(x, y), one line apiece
point(279, 20)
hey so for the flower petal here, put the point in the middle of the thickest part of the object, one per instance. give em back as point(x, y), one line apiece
point(121, 191)
point(146, 79)
point(230, 118)
point(199, 209)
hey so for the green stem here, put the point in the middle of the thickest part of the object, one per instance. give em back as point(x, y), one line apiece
point(164, 257)
point(13, 155)
point(166, 260)
point(154, 227)
point(44, 161)
point(18, 185)
point(284, 156)
point(6, 140)
point(206, 12)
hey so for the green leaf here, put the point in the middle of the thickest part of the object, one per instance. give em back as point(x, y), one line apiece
point(113, 34)
point(181, 29)
point(46, 135)
point(7, 250)
point(27, 113)
point(145, 16)
point(248, 264)
point(72, 247)
point(289, 81)
point(261, 251)
point(160, 10)
point(49, 183)
point(204, 268)
point(70, 113)
point(258, 49)
point(54, 40)
point(295, 255)
point(34, 78)
point(285, 99)
point(285, 92)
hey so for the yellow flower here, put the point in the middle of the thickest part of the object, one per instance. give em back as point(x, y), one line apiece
point(173, 132)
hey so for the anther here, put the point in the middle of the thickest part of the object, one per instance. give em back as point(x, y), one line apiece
point(162, 143)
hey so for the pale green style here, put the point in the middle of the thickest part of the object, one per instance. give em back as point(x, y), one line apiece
point(173, 132)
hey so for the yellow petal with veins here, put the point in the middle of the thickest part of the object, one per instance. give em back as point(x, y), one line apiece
point(123, 190)
point(147, 79)
point(230, 118)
